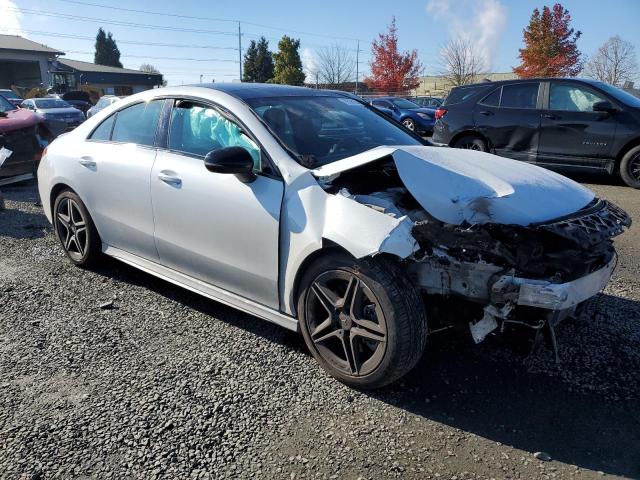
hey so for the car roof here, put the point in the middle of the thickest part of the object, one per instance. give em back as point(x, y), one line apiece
point(245, 91)
point(532, 79)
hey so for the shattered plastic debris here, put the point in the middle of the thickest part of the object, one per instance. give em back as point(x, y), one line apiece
point(4, 154)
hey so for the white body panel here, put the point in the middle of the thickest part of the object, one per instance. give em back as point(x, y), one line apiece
point(213, 227)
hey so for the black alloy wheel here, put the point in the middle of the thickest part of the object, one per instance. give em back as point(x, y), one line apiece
point(346, 323)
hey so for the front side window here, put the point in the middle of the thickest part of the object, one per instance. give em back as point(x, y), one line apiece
point(319, 130)
point(519, 95)
point(199, 129)
point(137, 123)
point(572, 98)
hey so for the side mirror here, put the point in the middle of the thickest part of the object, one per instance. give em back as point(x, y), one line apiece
point(234, 160)
point(604, 106)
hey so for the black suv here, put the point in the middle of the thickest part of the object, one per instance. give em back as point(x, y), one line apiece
point(553, 122)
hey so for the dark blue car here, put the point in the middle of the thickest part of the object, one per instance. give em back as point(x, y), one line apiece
point(414, 117)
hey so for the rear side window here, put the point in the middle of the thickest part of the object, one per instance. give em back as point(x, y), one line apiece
point(103, 132)
point(462, 94)
point(493, 99)
point(519, 95)
point(137, 123)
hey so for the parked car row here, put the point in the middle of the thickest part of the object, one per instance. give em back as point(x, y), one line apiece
point(414, 117)
point(571, 124)
point(23, 136)
point(59, 116)
point(28, 126)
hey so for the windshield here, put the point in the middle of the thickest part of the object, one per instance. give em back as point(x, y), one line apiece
point(404, 103)
point(619, 94)
point(5, 105)
point(322, 130)
point(9, 94)
point(51, 103)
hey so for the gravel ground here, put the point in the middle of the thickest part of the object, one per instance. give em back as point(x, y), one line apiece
point(168, 384)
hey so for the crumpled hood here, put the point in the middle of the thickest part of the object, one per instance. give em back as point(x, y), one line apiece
point(457, 185)
point(17, 119)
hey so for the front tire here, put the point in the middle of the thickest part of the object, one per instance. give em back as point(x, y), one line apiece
point(630, 167)
point(362, 320)
point(75, 230)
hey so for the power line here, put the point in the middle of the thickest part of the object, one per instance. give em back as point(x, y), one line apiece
point(215, 19)
point(163, 58)
point(129, 42)
point(116, 22)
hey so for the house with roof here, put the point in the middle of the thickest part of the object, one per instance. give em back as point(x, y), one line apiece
point(25, 64)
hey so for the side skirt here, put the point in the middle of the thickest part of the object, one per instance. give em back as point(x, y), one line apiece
point(202, 288)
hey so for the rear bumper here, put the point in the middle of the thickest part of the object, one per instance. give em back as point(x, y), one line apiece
point(556, 296)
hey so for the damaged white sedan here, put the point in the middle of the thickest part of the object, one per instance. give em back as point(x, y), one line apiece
point(312, 210)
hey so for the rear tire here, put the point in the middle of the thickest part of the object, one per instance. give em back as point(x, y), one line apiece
point(75, 230)
point(362, 320)
point(630, 167)
point(471, 142)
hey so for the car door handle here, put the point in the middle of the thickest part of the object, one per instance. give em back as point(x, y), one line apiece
point(170, 178)
point(87, 162)
point(550, 116)
point(487, 113)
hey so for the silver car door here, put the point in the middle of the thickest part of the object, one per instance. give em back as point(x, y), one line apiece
point(213, 226)
point(114, 168)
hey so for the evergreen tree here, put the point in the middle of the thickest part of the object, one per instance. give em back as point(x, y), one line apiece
point(249, 67)
point(258, 62)
point(288, 65)
point(107, 52)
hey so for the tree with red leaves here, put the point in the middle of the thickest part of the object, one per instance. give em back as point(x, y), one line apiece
point(550, 45)
point(392, 71)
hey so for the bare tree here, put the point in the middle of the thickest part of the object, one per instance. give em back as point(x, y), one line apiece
point(336, 65)
point(461, 62)
point(148, 68)
point(614, 63)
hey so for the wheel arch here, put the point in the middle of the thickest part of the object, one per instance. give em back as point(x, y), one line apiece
point(328, 246)
point(62, 186)
point(470, 133)
point(624, 150)
point(55, 191)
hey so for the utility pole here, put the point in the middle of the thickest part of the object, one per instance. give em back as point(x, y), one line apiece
point(357, 64)
point(240, 50)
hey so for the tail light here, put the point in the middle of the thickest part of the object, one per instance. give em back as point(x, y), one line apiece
point(440, 112)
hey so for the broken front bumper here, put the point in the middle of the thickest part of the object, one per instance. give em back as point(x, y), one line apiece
point(553, 296)
point(487, 284)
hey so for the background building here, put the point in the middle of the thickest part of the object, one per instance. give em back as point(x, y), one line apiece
point(439, 85)
point(25, 64)
point(69, 74)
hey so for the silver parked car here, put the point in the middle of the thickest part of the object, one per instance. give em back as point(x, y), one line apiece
point(312, 210)
point(59, 116)
point(104, 102)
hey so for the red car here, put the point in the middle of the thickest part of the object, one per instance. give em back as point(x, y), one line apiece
point(22, 139)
